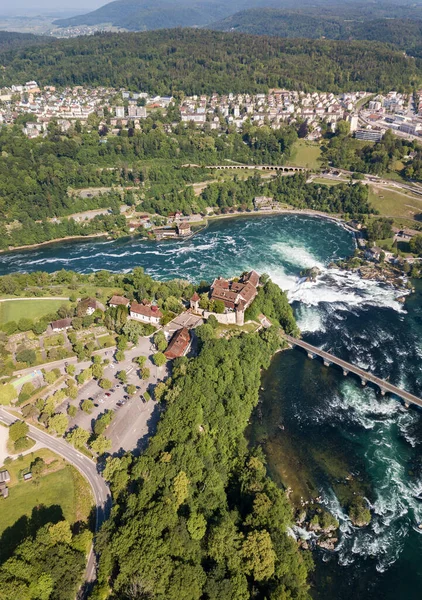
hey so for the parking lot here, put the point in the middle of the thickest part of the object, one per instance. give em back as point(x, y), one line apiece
point(134, 418)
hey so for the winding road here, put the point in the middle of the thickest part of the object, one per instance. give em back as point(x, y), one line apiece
point(85, 466)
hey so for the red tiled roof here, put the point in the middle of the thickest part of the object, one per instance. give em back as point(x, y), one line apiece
point(147, 310)
point(196, 297)
point(179, 344)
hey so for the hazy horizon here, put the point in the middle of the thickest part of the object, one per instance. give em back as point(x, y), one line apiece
point(39, 7)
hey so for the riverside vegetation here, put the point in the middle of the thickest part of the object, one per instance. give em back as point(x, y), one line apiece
point(196, 513)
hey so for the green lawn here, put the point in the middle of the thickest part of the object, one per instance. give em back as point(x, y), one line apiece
point(393, 204)
point(13, 310)
point(305, 154)
point(63, 487)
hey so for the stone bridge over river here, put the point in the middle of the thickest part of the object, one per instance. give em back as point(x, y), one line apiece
point(365, 377)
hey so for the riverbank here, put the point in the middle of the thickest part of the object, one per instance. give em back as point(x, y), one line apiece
point(70, 238)
point(202, 225)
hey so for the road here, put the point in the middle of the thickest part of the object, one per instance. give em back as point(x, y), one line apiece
point(34, 299)
point(85, 466)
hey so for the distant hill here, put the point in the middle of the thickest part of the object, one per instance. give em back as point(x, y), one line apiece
point(10, 40)
point(141, 15)
point(406, 33)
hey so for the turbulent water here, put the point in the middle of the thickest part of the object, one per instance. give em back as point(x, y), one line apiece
point(342, 438)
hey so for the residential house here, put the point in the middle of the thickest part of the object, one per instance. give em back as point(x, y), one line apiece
point(145, 312)
point(119, 301)
point(61, 324)
point(88, 306)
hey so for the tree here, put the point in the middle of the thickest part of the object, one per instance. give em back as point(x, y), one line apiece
point(100, 445)
point(131, 389)
point(212, 320)
point(197, 526)
point(60, 533)
point(78, 437)
point(26, 356)
point(259, 555)
point(103, 422)
point(180, 488)
point(160, 341)
point(37, 466)
point(122, 376)
point(159, 359)
point(120, 356)
point(133, 331)
point(140, 360)
point(145, 373)
point(97, 371)
point(72, 411)
point(105, 384)
point(58, 423)
point(18, 430)
point(87, 406)
point(415, 244)
point(159, 391)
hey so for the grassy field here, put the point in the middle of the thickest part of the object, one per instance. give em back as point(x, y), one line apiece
point(393, 204)
point(327, 182)
point(305, 154)
point(14, 310)
point(61, 486)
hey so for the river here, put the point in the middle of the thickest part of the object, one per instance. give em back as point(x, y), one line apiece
point(337, 438)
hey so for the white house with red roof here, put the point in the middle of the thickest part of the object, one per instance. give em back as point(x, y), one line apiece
point(145, 313)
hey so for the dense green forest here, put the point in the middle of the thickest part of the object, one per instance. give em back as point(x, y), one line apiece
point(11, 40)
point(196, 516)
point(199, 61)
point(58, 162)
point(404, 33)
point(47, 565)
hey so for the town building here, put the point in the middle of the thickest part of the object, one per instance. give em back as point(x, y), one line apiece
point(119, 301)
point(184, 229)
point(179, 344)
point(146, 313)
point(88, 306)
point(61, 324)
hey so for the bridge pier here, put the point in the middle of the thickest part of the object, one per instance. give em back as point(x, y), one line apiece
point(363, 381)
point(345, 372)
point(327, 363)
point(383, 392)
point(311, 355)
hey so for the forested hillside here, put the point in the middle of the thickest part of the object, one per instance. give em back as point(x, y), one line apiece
point(11, 40)
point(199, 61)
point(196, 516)
point(404, 33)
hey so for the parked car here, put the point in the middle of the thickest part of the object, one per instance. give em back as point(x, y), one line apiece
point(108, 394)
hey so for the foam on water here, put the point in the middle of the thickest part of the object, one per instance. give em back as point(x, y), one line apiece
point(296, 255)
